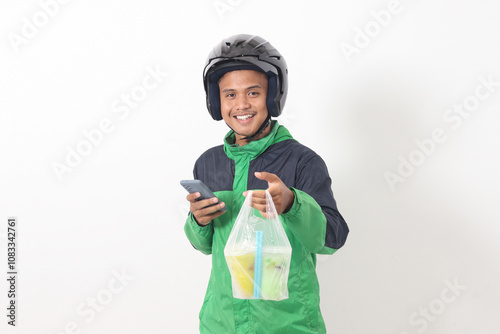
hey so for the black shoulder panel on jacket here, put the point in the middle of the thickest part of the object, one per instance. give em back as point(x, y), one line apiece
point(215, 169)
point(300, 167)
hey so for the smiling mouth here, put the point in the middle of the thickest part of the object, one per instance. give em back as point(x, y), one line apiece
point(244, 117)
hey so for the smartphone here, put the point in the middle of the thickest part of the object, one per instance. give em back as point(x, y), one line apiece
point(193, 186)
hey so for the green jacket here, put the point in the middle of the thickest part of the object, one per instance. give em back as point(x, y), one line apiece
point(313, 225)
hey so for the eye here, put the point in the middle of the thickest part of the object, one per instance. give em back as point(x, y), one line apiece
point(253, 93)
point(230, 95)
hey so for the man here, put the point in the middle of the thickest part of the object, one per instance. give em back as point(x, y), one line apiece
point(246, 82)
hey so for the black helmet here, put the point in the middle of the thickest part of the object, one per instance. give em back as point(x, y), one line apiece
point(246, 52)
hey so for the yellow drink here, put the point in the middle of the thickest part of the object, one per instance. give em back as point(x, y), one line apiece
point(275, 269)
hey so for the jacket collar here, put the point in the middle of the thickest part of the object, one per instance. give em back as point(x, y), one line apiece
point(257, 147)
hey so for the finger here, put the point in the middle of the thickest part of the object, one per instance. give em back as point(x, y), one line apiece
point(216, 214)
point(258, 194)
point(203, 203)
point(259, 207)
point(206, 211)
point(269, 177)
point(268, 215)
point(259, 200)
point(193, 196)
point(204, 220)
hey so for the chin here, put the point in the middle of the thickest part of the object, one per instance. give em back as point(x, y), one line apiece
point(244, 131)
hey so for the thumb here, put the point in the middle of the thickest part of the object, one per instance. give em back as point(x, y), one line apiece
point(269, 177)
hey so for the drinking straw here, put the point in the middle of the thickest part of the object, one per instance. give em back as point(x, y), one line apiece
point(259, 235)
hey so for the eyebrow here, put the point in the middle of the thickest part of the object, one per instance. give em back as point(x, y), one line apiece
point(233, 90)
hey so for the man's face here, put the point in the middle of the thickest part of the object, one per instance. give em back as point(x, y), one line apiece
point(243, 96)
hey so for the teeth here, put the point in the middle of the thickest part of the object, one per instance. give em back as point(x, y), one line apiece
point(244, 117)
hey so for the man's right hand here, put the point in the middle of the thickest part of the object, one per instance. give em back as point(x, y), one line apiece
point(202, 214)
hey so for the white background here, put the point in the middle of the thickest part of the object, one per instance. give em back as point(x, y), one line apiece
point(121, 208)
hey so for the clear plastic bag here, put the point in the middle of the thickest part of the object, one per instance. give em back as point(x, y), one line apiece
point(258, 253)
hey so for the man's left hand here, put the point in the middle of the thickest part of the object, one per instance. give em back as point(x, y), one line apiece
point(282, 196)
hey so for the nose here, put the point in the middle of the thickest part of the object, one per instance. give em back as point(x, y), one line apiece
point(242, 102)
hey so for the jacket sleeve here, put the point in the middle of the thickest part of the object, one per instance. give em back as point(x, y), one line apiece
point(314, 218)
point(199, 236)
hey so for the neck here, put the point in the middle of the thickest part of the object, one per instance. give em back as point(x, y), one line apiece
point(242, 141)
